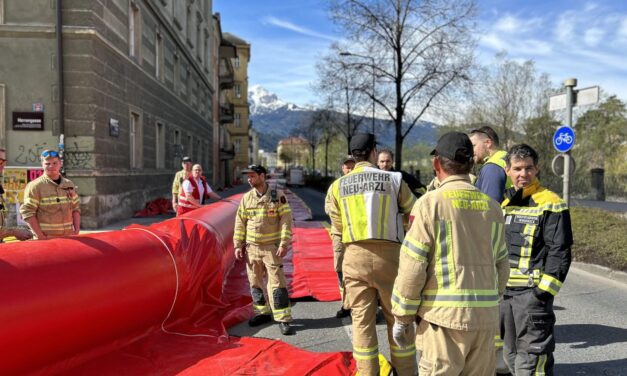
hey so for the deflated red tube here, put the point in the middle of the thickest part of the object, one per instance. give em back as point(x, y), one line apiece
point(66, 296)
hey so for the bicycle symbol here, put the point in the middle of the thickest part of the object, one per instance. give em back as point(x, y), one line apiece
point(565, 138)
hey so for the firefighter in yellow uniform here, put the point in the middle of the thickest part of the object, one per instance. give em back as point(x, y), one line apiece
point(453, 267)
point(262, 235)
point(51, 205)
point(366, 212)
point(179, 178)
point(347, 166)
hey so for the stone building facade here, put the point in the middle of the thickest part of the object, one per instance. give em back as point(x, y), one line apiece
point(139, 80)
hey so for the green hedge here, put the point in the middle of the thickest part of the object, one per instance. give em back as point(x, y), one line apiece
point(600, 237)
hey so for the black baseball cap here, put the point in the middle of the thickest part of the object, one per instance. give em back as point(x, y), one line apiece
point(455, 146)
point(348, 158)
point(256, 168)
point(186, 159)
point(362, 142)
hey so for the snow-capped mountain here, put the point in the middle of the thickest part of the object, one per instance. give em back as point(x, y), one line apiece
point(262, 101)
point(274, 119)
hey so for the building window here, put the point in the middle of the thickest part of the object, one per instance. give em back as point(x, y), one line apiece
point(189, 26)
point(177, 146)
point(199, 33)
point(190, 147)
point(237, 145)
point(238, 92)
point(159, 145)
point(237, 119)
point(199, 154)
point(236, 62)
point(135, 31)
point(159, 57)
point(135, 139)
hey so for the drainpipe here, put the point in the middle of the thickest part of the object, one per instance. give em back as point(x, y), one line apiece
point(61, 99)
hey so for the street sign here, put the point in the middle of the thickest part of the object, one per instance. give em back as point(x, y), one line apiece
point(557, 165)
point(557, 102)
point(564, 139)
point(581, 97)
point(589, 95)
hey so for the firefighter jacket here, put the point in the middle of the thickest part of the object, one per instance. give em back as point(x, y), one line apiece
point(338, 246)
point(367, 204)
point(538, 236)
point(265, 219)
point(453, 261)
point(179, 178)
point(52, 204)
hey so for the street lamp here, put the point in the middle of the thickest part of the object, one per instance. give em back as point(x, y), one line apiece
point(346, 53)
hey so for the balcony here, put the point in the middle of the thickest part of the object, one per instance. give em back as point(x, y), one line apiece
point(227, 152)
point(226, 81)
point(226, 113)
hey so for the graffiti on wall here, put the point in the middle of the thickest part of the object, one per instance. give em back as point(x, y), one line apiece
point(29, 154)
point(78, 157)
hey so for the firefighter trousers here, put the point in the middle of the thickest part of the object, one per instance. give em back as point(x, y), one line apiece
point(528, 341)
point(262, 262)
point(369, 271)
point(448, 351)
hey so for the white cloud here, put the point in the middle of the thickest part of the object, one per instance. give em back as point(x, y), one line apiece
point(621, 33)
point(512, 24)
point(593, 36)
point(565, 27)
point(295, 28)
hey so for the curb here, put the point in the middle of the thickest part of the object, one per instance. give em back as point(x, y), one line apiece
point(601, 271)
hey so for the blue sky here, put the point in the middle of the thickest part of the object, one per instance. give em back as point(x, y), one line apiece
point(582, 39)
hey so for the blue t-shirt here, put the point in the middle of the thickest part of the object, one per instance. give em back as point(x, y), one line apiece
point(491, 181)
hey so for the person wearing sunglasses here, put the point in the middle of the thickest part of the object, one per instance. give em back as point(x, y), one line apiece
point(51, 204)
point(5, 232)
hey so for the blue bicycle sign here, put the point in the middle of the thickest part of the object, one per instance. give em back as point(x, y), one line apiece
point(564, 139)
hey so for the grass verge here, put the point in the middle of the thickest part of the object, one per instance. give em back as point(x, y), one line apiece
point(600, 237)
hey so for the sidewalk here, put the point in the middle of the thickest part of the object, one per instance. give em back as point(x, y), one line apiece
point(147, 221)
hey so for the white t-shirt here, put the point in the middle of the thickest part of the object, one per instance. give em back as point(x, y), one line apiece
point(188, 188)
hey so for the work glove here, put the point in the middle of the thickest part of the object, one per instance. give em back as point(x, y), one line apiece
point(404, 334)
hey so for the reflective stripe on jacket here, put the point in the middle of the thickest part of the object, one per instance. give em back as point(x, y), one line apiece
point(52, 204)
point(368, 204)
point(263, 220)
point(453, 261)
point(498, 158)
point(539, 236)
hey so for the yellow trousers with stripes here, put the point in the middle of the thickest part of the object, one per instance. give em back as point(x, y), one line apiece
point(262, 262)
point(454, 352)
point(369, 271)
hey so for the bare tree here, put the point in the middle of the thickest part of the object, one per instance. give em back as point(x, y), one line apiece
point(337, 82)
point(507, 94)
point(315, 128)
point(420, 49)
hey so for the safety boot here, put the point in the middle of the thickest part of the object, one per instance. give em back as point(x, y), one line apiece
point(343, 313)
point(259, 320)
point(286, 329)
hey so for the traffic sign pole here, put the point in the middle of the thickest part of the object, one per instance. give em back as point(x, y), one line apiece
point(570, 83)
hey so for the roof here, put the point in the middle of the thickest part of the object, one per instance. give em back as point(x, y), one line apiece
point(234, 39)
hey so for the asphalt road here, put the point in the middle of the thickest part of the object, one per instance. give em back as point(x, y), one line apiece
point(591, 329)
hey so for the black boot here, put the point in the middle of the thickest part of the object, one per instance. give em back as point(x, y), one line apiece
point(259, 320)
point(343, 313)
point(286, 329)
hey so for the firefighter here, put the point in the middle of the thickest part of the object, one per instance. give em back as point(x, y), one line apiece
point(51, 205)
point(491, 178)
point(492, 181)
point(18, 233)
point(262, 235)
point(453, 266)
point(366, 212)
point(179, 178)
point(348, 163)
point(538, 236)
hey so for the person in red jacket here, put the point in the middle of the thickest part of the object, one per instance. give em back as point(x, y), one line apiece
point(195, 192)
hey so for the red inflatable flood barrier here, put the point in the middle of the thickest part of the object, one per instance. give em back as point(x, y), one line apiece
point(85, 299)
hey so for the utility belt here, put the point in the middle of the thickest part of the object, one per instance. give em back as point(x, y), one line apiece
point(529, 278)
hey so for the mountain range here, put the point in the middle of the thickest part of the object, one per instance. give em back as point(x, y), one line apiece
point(274, 119)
